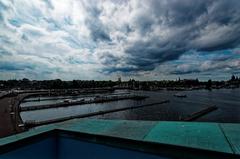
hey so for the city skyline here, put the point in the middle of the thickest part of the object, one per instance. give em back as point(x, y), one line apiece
point(102, 40)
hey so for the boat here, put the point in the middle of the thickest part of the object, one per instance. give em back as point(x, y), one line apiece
point(82, 100)
point(180, 95)
point(67, 101)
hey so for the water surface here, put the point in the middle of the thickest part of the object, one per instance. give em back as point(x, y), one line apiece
point(227, 101)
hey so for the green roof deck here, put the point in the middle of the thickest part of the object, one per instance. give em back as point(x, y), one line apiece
point(218, 137)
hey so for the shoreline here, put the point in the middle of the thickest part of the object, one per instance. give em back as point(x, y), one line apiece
point(10, 119)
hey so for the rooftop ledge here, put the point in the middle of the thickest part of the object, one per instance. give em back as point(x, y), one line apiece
point(156, 139)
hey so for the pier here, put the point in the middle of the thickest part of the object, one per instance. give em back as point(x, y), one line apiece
point(35, 123)
point(74, 103)
point(200, 113)
point(65, 97)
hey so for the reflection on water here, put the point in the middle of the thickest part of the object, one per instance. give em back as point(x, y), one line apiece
point(227, 101)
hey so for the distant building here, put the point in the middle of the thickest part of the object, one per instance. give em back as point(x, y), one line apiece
point(119, 79)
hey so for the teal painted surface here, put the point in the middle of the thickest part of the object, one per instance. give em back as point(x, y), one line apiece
point(90, 126)
point(209, 136)
point(32, 132)
point(118, 128)
point(197, 135)
point(232, 132)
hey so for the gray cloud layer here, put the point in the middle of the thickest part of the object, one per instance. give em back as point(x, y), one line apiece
point(87, 38)
point(167, 29)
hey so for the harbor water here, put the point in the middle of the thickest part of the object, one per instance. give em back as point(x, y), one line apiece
point(227, 101)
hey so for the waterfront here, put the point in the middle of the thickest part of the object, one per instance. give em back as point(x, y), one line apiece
point(227, 101)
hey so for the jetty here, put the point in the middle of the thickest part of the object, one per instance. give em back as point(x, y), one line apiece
point(30, 124)
point(41, 98)
point(97, 99)
point(200, 113)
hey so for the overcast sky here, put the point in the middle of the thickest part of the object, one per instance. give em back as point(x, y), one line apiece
point(141, 39)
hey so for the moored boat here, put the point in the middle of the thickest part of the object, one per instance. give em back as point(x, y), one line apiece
point(180, 95)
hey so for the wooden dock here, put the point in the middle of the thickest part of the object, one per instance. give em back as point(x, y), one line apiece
point(200, 113)
point(75, 103)
point(38, 123)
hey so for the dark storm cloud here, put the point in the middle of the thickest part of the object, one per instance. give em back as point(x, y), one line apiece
point(152, 52)
point(97, 30)
point(182, 72)
point(224, 65)
point(4, 52)
point(168, 29)
point(221, 68)
point(5, 40)
point(12, 66)
point(49, 4)
point(2, 7)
